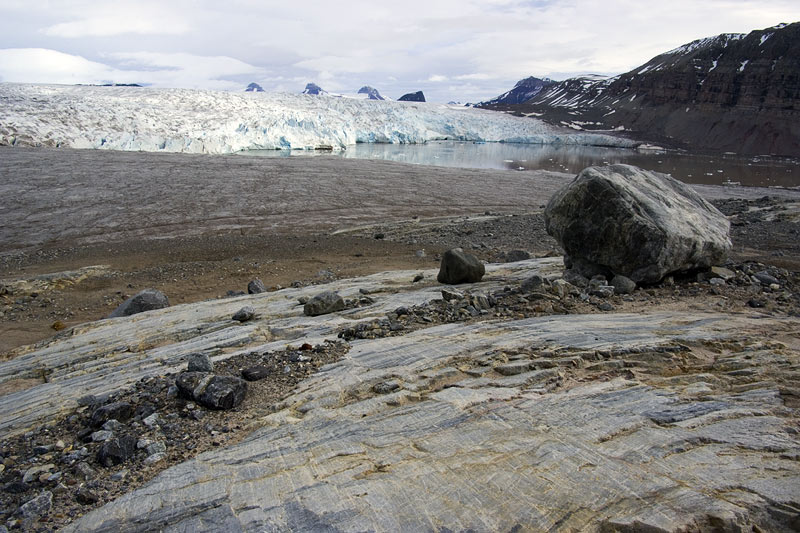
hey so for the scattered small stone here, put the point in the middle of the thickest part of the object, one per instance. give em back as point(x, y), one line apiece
point(199, 362)
point(151, 421)
point(379, 236)
point(116, 450)
point(58, 325)
point(244, 314)
point(38, 506)
point(155, 458)
point(113, 425)
point(101, 436)
point(223, 392)
point(517, 255)
point(256, 286)
point(533, 283)
point(623, 284)
point(118, 411)
point(418, 278)
point(452, 294)
point(255, 373)
point(756, 303)
point(765, 278)
point(84, 496)
point(119, 476)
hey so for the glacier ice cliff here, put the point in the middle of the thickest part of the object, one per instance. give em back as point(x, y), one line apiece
point(197, 121)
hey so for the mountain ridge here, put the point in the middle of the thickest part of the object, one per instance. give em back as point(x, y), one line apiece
point(731, 92)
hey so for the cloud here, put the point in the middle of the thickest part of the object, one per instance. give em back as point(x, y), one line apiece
point(38, 65)
point(480, 47)
point(117, 18)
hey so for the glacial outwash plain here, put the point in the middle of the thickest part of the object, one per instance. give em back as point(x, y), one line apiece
point(530, 399)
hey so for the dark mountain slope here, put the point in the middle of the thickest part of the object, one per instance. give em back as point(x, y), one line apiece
point(732, 92)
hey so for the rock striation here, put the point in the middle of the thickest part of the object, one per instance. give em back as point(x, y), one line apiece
point(586, 422)
point(622, 220)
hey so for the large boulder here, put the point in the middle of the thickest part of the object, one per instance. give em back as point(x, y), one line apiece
point(212, 391)
point(622, 220)
point(323, 303)
point(147, 300)
point(460, 267)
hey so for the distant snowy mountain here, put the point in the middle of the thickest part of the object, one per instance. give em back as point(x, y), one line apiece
point(254, 88)
point(371, 93)
point(182, 120)
point(524, 90)
point(412, 97)
point(732, 92)
point(313, 88)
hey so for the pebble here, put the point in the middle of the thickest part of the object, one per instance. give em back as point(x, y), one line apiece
point(38, 506)
point(151, 421)
point(199, 362)
point(102, 436)
point(155, 458)
point(84, 496)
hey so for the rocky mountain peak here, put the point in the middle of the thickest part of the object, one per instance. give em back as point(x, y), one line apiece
point(371, 93)
point(412, 97)
point(254, 88)
point(313, 88)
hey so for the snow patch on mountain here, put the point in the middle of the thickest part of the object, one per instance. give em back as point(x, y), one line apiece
point(184, 120)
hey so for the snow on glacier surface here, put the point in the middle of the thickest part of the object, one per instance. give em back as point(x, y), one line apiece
point(185, 120)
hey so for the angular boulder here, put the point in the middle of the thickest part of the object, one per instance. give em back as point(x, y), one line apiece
point(256, 286)
point(214, 392)
point(323, 303)
point(460, 267)
point(622, 220)
point(147, 300)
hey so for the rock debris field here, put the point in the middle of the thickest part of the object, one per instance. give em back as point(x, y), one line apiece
point(521, 401)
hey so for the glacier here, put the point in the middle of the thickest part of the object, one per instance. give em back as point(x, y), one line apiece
point(214, 122)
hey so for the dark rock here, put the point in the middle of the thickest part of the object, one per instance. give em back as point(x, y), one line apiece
point(756, 303)
point(15, 487)
point(38, 506)
point(449, 295)
point(234, 294)
point(323, 303)
point(460, 267)
point(517, 255)
point(254, 88)
point(418, 277)
point(623, 285)
point(199, 362)
point(86, 497)
point(412, 97)
point(574, 278)
point(244, 314)
point(533, 283)
point(120, 411)
point(147, 300)
point(766, 278)
point(643, 225)
point(256, 286)
point(255, 373)
point(223, 392)
point(116, 450)
point(191, 384)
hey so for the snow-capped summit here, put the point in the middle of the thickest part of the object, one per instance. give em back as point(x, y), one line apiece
point(371, 92)
point(254, 88)
point(313, 88)
point(524, 90)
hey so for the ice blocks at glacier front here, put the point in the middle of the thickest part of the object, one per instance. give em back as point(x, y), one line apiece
point(184, 120)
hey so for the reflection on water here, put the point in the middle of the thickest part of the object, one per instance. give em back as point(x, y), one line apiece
point(689, 168)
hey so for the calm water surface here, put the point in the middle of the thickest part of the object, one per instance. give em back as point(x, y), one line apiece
point(714, 169)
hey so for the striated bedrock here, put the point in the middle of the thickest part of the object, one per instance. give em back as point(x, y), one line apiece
point(622, 220)
point(656, 421)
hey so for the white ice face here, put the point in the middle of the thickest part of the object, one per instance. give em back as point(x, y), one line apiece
point(183, 120)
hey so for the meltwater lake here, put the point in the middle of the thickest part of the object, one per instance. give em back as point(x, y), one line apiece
point(709, 169)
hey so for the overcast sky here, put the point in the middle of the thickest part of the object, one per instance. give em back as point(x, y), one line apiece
point(462, 50)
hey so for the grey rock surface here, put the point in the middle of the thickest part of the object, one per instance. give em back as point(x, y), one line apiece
point(146, 300)
point(679, 438)
point(623, 220)
point(323, 303)
point(457, 266)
